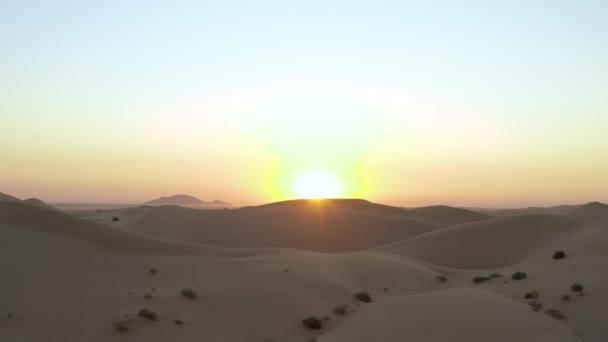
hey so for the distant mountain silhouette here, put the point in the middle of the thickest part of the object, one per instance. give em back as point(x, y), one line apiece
point(183, 200)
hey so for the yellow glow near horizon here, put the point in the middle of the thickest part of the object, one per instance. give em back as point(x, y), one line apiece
point(317, 185)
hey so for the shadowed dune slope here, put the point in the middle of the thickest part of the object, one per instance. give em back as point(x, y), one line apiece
point(327, 226)
point(487, 244)
point(444, 215)
point(18, 215)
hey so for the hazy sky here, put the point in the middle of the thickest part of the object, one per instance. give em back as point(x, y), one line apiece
point(494, 103)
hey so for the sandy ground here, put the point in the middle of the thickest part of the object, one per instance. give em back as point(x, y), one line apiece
point(71, 276)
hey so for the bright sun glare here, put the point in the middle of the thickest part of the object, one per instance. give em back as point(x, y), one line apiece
point(316, 185)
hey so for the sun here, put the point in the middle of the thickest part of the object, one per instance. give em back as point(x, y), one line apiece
point(316, 185)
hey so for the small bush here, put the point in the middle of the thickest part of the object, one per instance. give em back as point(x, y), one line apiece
point(148, 296)
point(189, 293)
point(178, 321)
point(147, 314)
point(519, 276)
point(556, 314)
point(10, 315)
point(122, 326)
point(577, 287)
point(566, 298)
point(312, 323)
point(536, 305)
point(559, 255)
point(363, 297)
point(442, 278)
point(153, 271)
point(480, 279)
point(531, 295)
point(495, 275)
point(115, 219)
point(341, 310)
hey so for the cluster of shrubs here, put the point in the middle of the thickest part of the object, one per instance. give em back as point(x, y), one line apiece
point(124, 325)
point(442, 278)
point(555, 314)
point(316, 323)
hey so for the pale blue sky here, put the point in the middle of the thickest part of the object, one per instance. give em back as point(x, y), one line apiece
point(106, 77)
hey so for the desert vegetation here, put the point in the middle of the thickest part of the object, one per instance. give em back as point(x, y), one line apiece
point(189, 293)
point(559, 255)
point(577, 288)
point(480, 279)
point(519, 276)
point(363, 297)
point(147, 314)
point(312, 322)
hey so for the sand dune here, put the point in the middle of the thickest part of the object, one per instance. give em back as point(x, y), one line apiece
point(487, 244)
point(6, 197)
point(591, 211)
point(31, 201)
point(447, 216)
point(456, 315)
point(67, 279)
point(39, 203)
point(328, 226)
point(58, 225)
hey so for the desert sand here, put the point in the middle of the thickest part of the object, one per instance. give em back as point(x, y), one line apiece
point(259, 271)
